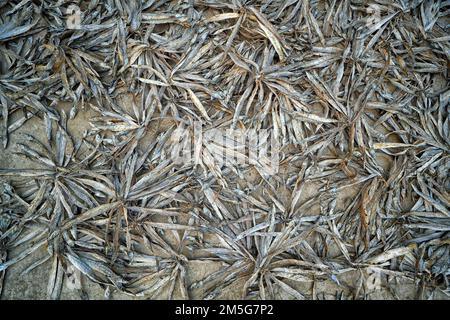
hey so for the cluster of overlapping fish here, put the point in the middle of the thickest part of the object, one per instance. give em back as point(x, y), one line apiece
point(355, 92)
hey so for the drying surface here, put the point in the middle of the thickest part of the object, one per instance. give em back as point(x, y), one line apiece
point(95, 205)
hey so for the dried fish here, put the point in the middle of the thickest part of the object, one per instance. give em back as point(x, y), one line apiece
point(290, 141)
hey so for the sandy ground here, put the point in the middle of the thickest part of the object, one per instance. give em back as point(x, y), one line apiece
point(33, 285)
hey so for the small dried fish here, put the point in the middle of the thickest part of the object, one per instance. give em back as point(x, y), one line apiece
point(291, 142)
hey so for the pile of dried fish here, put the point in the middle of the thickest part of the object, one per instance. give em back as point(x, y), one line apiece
point(355, 92)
